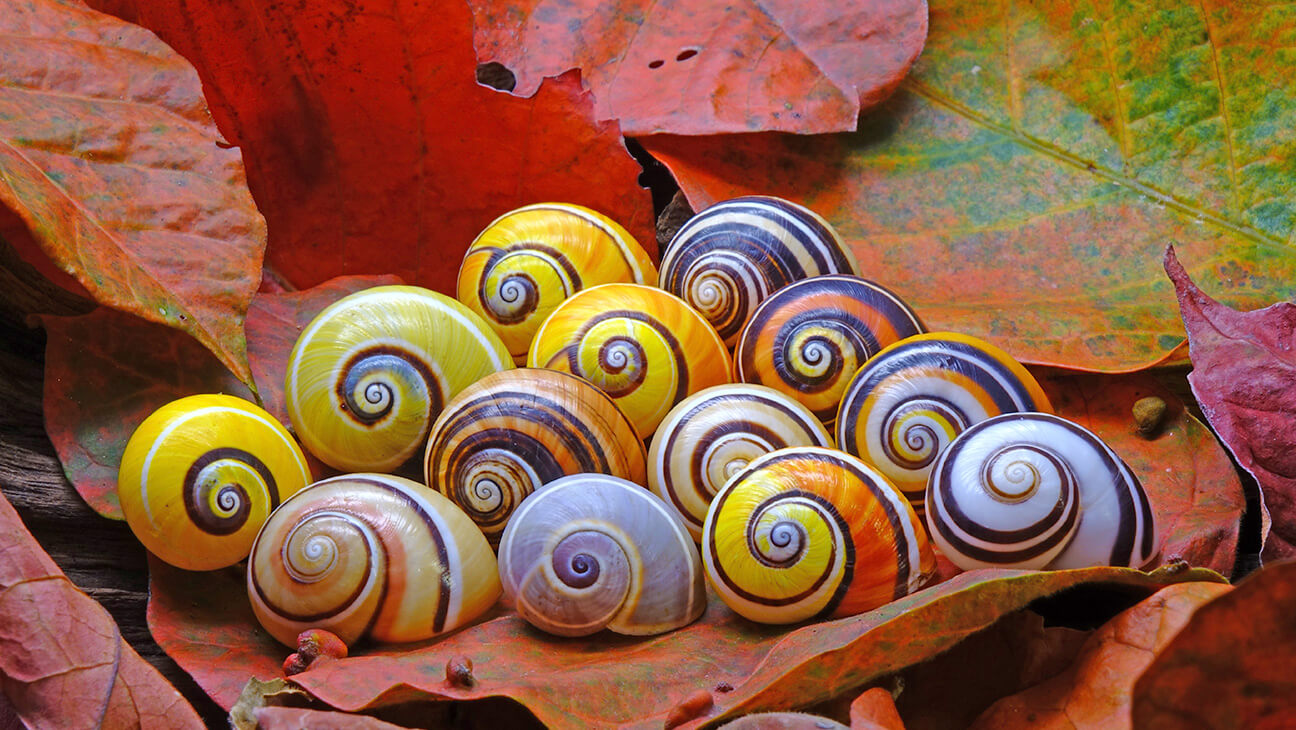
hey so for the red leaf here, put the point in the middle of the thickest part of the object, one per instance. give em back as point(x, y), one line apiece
point(1096, 691)
point(703, 68)
point(371, 149)
point(293, 718)
point(63, 662)
point(1244, 378)
point(105, 372)
point(108, 154)
point(1233, 665)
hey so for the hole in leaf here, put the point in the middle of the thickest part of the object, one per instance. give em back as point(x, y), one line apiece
point(656, 64)
point(496, 75)
point(686, 54)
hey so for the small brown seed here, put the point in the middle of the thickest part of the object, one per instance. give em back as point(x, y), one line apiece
point(1148, 414)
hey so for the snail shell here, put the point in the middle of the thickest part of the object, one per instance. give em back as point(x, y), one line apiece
point(371, 372)
point(810, 337)
point(200, 475)
point(370, 555)
point(907, 403)
point(1034, 490)
point(513, 431)
point(812, 532)
point(591, 551)
point(528, 261)
point(714, 434)
point(728, 258)
point(645, 348)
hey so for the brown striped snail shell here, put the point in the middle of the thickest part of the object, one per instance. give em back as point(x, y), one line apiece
point(513, 431)
point(529, 260)
point(810, 532)
point(200, 475)
point(369, 375)
point(908, 402)
point(1030, 490)
point(715, 433)
point(369, 555)
point(642, 346)
point(810, 337)
point(731, 256)
point(591, 551)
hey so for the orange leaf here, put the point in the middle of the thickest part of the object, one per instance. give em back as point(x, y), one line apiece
point(703, 68)
point(1233, 665)
point(1096, 691)
point(874, 709)
point(63, 662)
point(108, 154)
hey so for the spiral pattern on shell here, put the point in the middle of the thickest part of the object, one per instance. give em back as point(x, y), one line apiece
point(530, 260)
point(369, 375)
point(200, 475)
point(645, 348)
point(810, 337)
point(1035, 490)
point(591, 551)
point(513, 431)
point(810, 532)
point(734, 254)
point(911, 400)
point(714, 434)
point(369, 555)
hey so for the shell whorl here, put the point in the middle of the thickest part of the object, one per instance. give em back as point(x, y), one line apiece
point(811, 532)
point(369, 375)
point(906, 404)
point(369, 555)
point(200, 475)
point(591, 551)
point(808, 339)
point(715, 433)
point(645, 348)
point(1035, 490)
point(529, 260)
point(729, 257)
point(513, 431)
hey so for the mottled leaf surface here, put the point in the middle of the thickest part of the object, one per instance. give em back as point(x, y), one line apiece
point(1024, 180)
point(109, 156)
point(705, 68)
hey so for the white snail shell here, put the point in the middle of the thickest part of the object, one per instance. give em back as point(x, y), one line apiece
point(369, 555)
point(1030, 490)
point(591, 551)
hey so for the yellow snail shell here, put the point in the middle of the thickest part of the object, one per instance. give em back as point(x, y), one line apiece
point(200, 475)
point(810, 337)
point(591, 551)
point(809, 532)
point(645, 348)
point(1031, 490)
point(513, 431)
point(530, 260)
point(907, 403)
point(728, 258)
point(715, 433)
point(370, 555)
point(372, 371)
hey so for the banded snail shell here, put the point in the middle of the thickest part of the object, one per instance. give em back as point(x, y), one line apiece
point(810, 337)
point(530, 260)
point(912, 399)
point(369, 555)
point(591, 551)
point(371, 372)
point(812, 532)
point(728, 258)
point(1035, 490)
point(511, 432)
point(200, 475)
point(645, 348)
point(714, 434)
